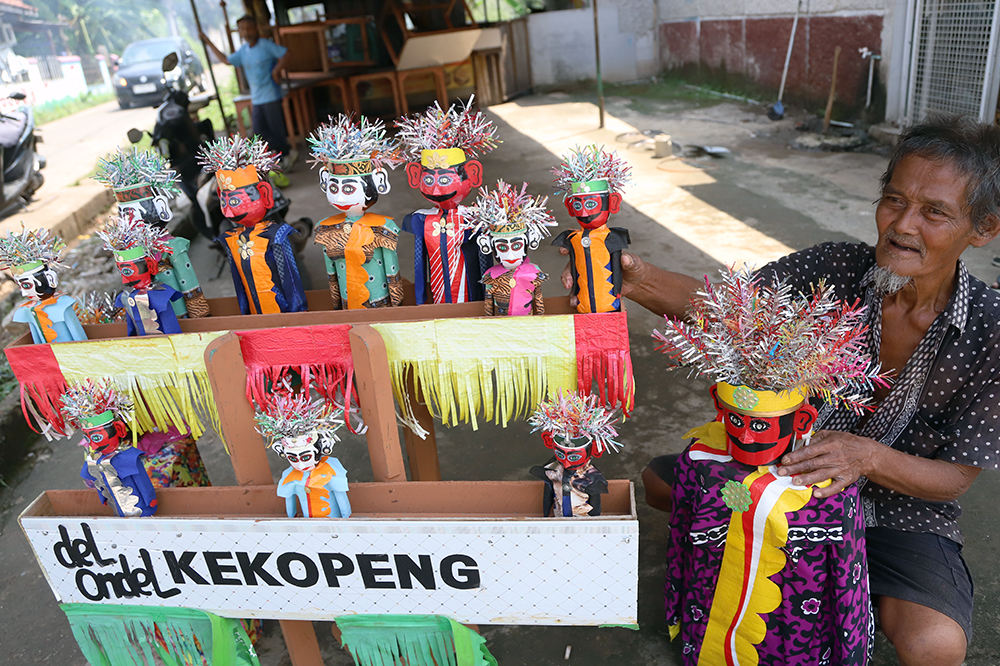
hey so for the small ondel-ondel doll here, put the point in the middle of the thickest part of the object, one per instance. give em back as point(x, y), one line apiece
point(760, 570)
point(359, 247)
point(443, 147)
point(303, 432)
point(591, 180)
point(137, 248)
point(508, 222)
point(32, 257)
point(112, 465)
point(577, 429)
point(261, 258)
point(143, 185)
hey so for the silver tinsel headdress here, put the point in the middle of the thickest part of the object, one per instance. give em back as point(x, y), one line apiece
point(507, 211)
point(30, 250)
point(348, 148)
point(135, 174)
point(591, 169)
point(573, 416)
point(429, 135)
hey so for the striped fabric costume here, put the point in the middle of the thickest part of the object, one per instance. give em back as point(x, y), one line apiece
point(448, 266)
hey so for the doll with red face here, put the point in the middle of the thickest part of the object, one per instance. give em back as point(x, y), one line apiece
point(591, 181)
point(32, 257)
point(112, 465)
point(137, 248)
point(751, 553)
point(442, 146)
point(508, 223)
point(577, 430)
point(261, 258)
point(303, 432)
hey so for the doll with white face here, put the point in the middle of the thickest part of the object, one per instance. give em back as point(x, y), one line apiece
point(507, 223)
point(112, 466)
point(359, 246)
point(304, 433)
point(32, 257)
point(577, 430)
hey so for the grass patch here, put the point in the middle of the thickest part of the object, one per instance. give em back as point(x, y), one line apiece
point(54, 110)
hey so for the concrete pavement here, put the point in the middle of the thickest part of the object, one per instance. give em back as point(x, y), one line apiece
point(693, 216)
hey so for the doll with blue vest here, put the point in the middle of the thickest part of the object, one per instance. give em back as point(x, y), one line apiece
point(443, 147)
point(143, 185)
point(112, 465)
point(303, 432)
point(137, 248)
point(32, 257)
point(359, 246)
point(261, 258)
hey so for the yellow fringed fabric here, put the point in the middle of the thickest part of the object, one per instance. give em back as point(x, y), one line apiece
point(752, 554)
point(500, 367)
point(165, 376)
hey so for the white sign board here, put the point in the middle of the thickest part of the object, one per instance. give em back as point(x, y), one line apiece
point(534, 571)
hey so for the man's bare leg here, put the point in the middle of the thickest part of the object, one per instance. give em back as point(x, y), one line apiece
point(922, 636)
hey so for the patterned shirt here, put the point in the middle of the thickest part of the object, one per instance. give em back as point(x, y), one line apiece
point(943, 404)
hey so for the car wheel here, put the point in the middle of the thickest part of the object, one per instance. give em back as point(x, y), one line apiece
point(123, 104)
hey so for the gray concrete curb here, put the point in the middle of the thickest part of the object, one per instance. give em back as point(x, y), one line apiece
point(16, 436)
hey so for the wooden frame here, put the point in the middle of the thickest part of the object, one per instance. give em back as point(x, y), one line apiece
point(304, 33)
point(440, 86)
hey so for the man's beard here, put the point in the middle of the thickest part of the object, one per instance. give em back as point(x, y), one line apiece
point(888, 282)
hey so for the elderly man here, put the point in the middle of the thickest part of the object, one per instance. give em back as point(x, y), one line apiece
point(936, 328)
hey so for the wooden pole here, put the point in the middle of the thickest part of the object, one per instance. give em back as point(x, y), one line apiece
point(208, 62)
point(833, 92)
point(597, 54)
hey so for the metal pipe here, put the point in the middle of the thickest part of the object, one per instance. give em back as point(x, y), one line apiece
point(597, 53)
point(211, 74)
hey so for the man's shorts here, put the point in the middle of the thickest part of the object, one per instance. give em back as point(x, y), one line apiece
point(926, 569)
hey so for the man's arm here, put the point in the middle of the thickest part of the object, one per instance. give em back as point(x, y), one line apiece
point(278, 67)
point(844, 458)
point(218, 54)
point(659, 291)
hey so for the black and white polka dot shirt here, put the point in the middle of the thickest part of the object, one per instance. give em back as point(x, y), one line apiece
point(945, 404)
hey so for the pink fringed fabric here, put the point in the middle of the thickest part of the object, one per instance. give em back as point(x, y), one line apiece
point(321, 355)
point(602, 355)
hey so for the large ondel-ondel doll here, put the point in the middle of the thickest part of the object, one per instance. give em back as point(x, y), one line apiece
point(759, 570)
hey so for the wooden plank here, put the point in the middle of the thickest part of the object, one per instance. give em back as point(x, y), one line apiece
point(381, 500)
point(300, 639)
point(422, 453)
point(247, 449)
point(374, 386)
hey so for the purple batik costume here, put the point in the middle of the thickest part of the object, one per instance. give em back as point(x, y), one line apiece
point(825, 615)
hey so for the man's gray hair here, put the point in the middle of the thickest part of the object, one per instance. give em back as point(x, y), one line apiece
point(973, 148)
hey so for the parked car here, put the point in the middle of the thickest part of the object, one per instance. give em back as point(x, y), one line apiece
point(139, 80)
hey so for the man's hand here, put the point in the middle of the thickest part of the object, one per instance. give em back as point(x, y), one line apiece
point(276, 75)
point(839, 456)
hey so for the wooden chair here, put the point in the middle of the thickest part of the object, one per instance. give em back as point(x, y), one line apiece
point(441, 88)
point(389, 75)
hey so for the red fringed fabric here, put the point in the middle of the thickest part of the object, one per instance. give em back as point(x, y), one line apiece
point(321, 355)
point(42, 384)
point(602, 355)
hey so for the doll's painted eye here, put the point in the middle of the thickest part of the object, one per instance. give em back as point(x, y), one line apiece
point(444, 181)
point(590, 204)
point(334, 187)
point(97, 437)
point(758, 425)
point(305, 457)
point(736, 420)
point(429, 180)
point(349, 189)
point(577, 205)
point(574, 457)
point(501, 246)
point(234, 202)
point(128, 271)
point(292, 457)
point(517, 245)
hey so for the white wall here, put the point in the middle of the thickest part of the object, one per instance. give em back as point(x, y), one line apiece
point(562, 43)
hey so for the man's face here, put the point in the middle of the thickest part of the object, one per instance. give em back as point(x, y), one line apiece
point(346, 194)
point(923, 226)
point(591, 210)
point(248, 32)
point(301, 452)
point(510, 251)
point(135, 273)
point(103, 439)
point(444, 187)
point(244, 205)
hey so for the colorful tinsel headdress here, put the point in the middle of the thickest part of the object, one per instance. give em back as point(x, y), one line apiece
point(757, 338)
point(98, 307)
point(574, 416)
point(442, 139)
point(590, 169)
point(292, 414)
point(237, 162)
point(29, 250)
point(93, 403)
point(135, 175)
point(505, 211)
point(131, 239)
point(348, 148)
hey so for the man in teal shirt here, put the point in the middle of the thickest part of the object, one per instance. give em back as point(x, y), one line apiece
point(262, 61)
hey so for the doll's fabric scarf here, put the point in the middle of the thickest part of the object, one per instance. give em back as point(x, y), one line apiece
point(503, 367)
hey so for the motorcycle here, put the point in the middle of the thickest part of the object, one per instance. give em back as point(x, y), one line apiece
point(21, 164)
point(177, 135)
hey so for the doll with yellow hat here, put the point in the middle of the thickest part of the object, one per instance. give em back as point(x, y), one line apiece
point(143, 185)
point(261, 258)
point(32, 257)
point(591, 180)
point(359, 246)
point(507, 223)
point(760, 570)
point(443, 146)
